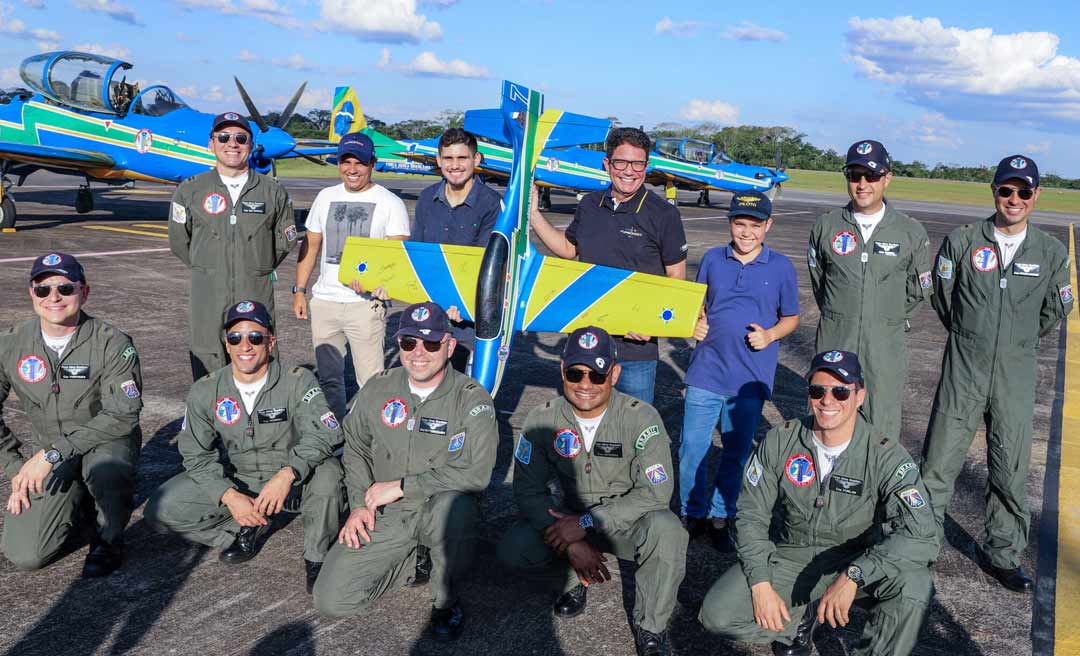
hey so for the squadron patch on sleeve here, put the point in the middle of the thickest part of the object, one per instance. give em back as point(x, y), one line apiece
point(329, 420)
point(913, 498)
point(131, 390)
point(456, 442)
point(811, 256)
point(646, 435)
point(944, 267)
point(1066, 293)
point(178, 213)
point(903, 469)
point(754, 471)
point(481, 409)
point(656, 474)
point(523, 451)
point(311, 394)
point(128, 353)
point(925, 280)
point(290, 233)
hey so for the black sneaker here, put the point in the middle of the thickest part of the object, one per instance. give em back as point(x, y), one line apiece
point(311, 570)
point(447, 623)
point(244, 547)
point(423, 568)
point(649, 643)
point(571, 603)
point(103, 559)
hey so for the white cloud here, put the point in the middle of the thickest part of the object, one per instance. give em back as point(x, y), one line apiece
point(384, 59)
point(14, 27)
point(1040, 148)
point(426, 64)
point(248, 56)
point(441, 4)
point(748, 31)
point(685, 28)
point(265, 10)
point(118, 52)
point(214, 94)
point(295, 61)
point(970, 74)
point(10, 77)
point(112, 8)
point(34, 4)
point(710, 110)
point(389, 21)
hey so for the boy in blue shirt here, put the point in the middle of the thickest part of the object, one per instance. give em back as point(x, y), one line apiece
point(752, 302)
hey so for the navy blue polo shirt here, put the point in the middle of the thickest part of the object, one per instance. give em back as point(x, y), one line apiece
point(468, 224)
point(740, 294)
point(643, 234)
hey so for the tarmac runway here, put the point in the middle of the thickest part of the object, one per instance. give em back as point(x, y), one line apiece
point(172, 598)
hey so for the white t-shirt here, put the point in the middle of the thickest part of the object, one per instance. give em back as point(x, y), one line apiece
point(826, 457)
point(588, 428)
point(57, 344)
point(867, 222)
point(1009, 245)
point(250, 391)
point(338, 214)
point(234, 184)
point(421, 392)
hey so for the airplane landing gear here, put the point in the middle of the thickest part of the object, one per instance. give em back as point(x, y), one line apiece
point(703, 199)
point(544, 201)
point(84, 200)
point(7, 213)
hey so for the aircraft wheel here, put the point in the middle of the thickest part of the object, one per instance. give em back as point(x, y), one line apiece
point(84, 201)
point(7, 213)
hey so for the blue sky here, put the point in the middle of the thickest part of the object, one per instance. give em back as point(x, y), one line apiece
point(953, 82)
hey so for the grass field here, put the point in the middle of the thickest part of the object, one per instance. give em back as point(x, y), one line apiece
point(301, 168)
point(945, 191)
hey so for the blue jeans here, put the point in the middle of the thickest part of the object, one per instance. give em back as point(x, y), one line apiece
point(737, 418)
point(638, 379)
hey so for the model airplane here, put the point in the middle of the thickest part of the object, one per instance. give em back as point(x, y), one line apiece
point(80, 116)
point(509, 286)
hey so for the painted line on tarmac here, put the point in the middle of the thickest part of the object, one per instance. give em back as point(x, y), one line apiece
point(157, 226)
point(92, 254)
point(159, 235)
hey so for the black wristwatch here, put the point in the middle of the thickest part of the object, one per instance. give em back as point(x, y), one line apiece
point(300, 290)
point(587, 522)
point(52, 456)
point(854, 572)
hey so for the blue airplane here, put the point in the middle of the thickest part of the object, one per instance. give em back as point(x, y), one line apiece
point(79, 115)
point(509, 286)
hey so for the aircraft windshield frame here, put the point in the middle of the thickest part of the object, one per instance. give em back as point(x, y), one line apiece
point(174, 102)
point(76, 79)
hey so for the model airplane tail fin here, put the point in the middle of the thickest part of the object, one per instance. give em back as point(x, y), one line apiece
point(346, 114)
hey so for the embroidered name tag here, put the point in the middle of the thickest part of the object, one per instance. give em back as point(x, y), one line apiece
point(845, 485)
point(75, 371)
point(607, 449)
point(251, 207)
point(273, 415)
point(433, 426)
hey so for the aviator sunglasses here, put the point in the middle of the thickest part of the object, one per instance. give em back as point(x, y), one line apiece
point(839, 392)
point(577, 375)
point(239, 137)
point(254, 338)
point(871, 176)
point(65, 289)
point(409, 343)
point(1007, 192)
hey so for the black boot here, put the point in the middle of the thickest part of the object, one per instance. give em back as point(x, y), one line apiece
point(244, 547)
point(719, 531)
point(447, 623)
point(1013, 579)
point(312, 571)
point(103, 559)
point(649, 643)
point(571, 603)
point(803, 642)
point(423, 568)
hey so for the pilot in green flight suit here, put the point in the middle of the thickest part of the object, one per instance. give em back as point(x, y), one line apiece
point(854, 519)
point(1000, 284)
point(231, 246)
point(870, 270)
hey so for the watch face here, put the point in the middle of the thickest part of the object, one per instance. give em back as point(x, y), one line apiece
point(52, 456)
point(855, 573)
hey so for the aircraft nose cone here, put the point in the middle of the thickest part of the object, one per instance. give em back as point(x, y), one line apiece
point(275, 143)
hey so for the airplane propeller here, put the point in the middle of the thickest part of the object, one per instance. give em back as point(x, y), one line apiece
point(280, 123)
point(778, 161)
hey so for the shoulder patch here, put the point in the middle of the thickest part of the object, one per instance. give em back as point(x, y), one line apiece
point(754, 471)
point(311, 394)
point(903, 469)
point(646, 435)
point(523, 450)
point(481, 409)
point(128, 353)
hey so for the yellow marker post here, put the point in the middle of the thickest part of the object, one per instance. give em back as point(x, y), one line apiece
point(1067, 588)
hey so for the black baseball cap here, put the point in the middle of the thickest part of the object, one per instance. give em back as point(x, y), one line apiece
point(842, 364)
point(357, 144)
point(425, 321)
point(250, 311)
point(1017, 167)
point(226, 119)
point(592, 347)
point(750, 203)
point(869, 153)
point(59, 263)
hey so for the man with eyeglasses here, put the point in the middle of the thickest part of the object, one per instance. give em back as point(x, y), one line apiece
point(343, 318)
point(628, 227)
point(870, 270)
point(612, 458)
point(999, 285)
point(232, 227)
point(278, 436)
point(79, 382)
point(855, 521)
point(420, 444)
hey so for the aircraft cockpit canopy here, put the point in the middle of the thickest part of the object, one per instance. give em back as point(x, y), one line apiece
point(688, 150)
point(80, 80)
point(157, 100)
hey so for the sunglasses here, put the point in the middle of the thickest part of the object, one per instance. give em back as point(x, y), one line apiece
point(65, 289)
point(577, 375)
point(871, 176)
point(407, 344)
point(239, 137)
point(637, 165)
point(1007, 192)
point(253, 338)
point(839, 392)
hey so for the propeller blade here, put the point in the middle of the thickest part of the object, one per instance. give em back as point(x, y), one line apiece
point(290, 108)
point(312, 158)
point(273, 169)
point(255, 115)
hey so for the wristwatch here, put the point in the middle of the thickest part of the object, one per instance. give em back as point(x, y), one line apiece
point(300, 290)
point(854, 572)
point(52, 456)
point(586, 522)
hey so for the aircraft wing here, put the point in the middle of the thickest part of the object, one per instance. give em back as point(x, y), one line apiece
point(69, 158)
point(564, 295)
point(414, 272)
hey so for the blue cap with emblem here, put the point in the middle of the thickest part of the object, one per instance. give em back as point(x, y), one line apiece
point(425, 321)
point(870, 154)
point(842, 364)
point(592, 347)
point(58, 263)
point(225, 119)
point(250, 311)
point(1017, 167)
point(357, 144)
point(754, 204)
